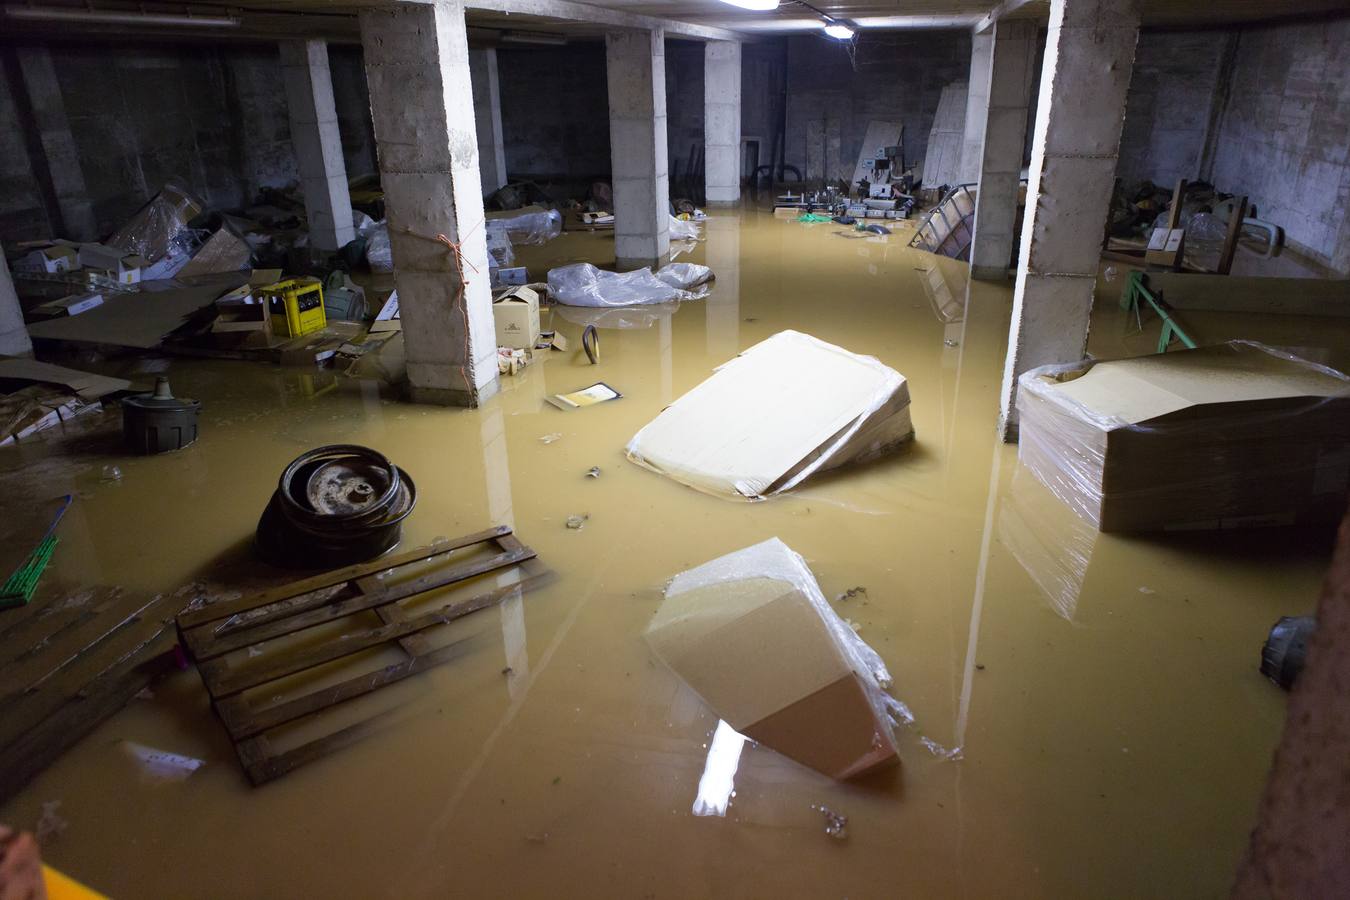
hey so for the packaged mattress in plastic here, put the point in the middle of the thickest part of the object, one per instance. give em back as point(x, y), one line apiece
point(785, 409)
point(1229, 436)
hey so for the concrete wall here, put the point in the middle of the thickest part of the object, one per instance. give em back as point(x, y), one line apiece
point(555, 111)
point(893, 76)
point(1282, 137)
point(212, 115)
point(1168, 110)
point(23, 215)
point(684, 107)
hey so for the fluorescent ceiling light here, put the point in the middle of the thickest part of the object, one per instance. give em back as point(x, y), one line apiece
point(842, 32)
point(110, 17)
point(756, 5)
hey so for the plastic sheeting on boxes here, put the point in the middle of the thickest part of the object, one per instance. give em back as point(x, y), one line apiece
point(527, 225)
point(379, 254)
point(785, 409)
point(149, 233)
point(1229, 436)
point(582, 284)
point(752, 635)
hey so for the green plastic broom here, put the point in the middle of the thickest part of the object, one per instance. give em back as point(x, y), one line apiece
point(19, 588)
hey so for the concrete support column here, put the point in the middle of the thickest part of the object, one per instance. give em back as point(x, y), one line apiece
point(636, 63)
point(722, 122)
point(318, 145)
point(1008, 94)
point(14, 340)
point(58, 144)
point(977, 105)
point(421, 103)
point(1089, 54)
point(487, 118)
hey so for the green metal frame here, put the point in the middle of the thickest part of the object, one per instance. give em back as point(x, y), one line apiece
point(1135, 291)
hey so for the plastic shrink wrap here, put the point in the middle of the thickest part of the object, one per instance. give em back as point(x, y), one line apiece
point(752, 634)
point(528, 225)
point(1234, 435)
point(582, 284)
point(151, 232)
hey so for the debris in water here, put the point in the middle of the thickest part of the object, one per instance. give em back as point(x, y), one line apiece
point(161, 765)
point(854, 625)
point(593, 472)
point(550, 438)
point(980, 666)
point(557, 779)
point(851, 593)
point(508, 671)
point(51, 823)
point(577, 522)
point(111, 473)
point(951, 343)
point(1147, 590)
point(940, 751)
point(836, 824)
point(539, 838)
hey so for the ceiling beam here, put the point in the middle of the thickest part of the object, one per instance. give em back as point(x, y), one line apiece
point(1002, 11)
point(566, 10)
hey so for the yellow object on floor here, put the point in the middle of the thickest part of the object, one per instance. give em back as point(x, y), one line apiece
point(63, 887)
point(295, 305)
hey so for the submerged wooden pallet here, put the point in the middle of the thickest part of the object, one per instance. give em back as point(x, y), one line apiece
point(67, 664)
point(239, 652)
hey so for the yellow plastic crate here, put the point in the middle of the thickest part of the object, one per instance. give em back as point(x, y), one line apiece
point(295, 305)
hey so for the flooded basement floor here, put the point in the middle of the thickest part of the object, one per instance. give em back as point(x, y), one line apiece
point(1103, 690)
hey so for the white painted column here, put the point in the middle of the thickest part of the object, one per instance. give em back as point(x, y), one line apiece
point(317, 143)
point(1008, 94)
point(421, 103)
point(636, 64)
point(58, 144)
point(487, 116)
point(1089, 54)
point(14, 340)
point(977, 103)
point(722, 122)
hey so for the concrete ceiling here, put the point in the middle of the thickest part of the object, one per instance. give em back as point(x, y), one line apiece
point(335, 19)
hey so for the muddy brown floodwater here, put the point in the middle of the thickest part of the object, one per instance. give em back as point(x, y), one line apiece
point(1103, 690)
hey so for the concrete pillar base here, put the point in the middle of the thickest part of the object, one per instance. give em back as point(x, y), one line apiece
point(990, 273)
point(628, 264)
point(451, 397)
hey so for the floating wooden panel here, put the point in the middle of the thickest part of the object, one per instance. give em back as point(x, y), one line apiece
point(67, 663)
point(240, 649)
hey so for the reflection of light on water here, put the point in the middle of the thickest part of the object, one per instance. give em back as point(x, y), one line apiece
point(719, 771)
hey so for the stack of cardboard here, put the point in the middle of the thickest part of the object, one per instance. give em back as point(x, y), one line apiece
point(1229, 436)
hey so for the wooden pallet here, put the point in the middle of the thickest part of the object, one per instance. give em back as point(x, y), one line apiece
point(67, 663)
point(245, 648)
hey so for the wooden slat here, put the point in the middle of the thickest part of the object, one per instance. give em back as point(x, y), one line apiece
point(60, 650)
point(1230, 238)
point(214, 611)
point(204, 647)
point(245, 724)
point(263, 766)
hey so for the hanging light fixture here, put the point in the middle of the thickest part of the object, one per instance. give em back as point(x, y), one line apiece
point(838, 30)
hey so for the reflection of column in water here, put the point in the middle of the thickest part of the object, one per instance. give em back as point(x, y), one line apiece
point(723, 306)
point(667, 359)
point(497, 478)
point(371, 407)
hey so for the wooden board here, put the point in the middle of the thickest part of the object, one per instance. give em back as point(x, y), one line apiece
point(252, 644)
point(67, 663)
point(1251, 294)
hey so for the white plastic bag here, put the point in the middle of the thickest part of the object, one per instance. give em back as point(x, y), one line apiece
point(582, 284)
point(378, 252)
point(530, 225)
point(681, 230)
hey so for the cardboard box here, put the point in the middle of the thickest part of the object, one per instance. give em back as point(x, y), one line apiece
point(72, 305)
point(53, 259)
point(785, 409)
point(760, 650)
point(1229, 436)
point(517, 317)
point(387, 319)
point(119, 265)
point(1165, 247)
